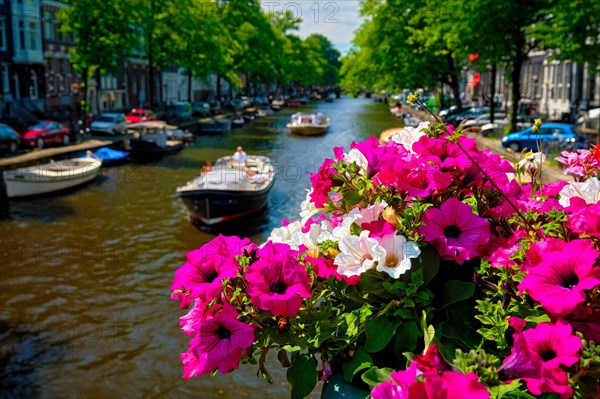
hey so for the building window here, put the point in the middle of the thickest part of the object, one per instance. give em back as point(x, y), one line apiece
point(5, 82)
point(2, 34)
point(48, 25)
point(32, 35)
point(21, 35)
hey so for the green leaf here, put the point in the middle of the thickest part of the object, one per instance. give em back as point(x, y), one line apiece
point(428, 332)
point(498, 391)
point(519, 394)
point(380, 331)
point(302, 376)
point(428, 262)
point(375, 376)
point(360, 361)
point(407, 337)
point(454, 291)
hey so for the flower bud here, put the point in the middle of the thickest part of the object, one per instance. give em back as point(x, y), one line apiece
point(389, 214)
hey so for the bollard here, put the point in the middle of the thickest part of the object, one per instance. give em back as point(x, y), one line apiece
point(3, 198)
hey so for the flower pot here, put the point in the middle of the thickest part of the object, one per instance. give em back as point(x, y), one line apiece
point(337, 388)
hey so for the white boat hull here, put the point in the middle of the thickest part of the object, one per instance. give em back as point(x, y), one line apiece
point(308, 130)
point(50, 177)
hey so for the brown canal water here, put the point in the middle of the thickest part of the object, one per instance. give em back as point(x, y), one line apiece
point(85, 276)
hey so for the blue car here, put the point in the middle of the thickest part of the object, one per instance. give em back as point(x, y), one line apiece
point(560, 135)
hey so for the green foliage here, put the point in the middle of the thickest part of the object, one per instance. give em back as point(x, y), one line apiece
point(302, 375)
point(103, 34)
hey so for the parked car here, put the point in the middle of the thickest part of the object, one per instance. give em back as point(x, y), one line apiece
point(470, 113)
point(109, 123)
point(140, 115)
point(561, 135)
point(44, 133)
point(481, 120)
point(200, 109)
point(180, 110)
point(9, 139)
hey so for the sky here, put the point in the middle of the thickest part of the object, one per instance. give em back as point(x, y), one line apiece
point(335, 19)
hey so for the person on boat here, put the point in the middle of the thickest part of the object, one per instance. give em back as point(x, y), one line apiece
point(90, 154)
point(240, 157)
point(207, 167)
point(257, 177)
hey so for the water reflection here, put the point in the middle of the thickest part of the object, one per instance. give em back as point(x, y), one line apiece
point(87, 274)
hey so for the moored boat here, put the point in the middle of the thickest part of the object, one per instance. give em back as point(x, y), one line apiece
point(294, 104)
point(229, 190)
point(264, 111)
point(50, 177)
point(110, 157)
point(308, 124)
point(149, 141)
point(216, 125)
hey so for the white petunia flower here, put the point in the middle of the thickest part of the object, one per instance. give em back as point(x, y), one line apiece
point(372, 212)
point(358, 254)
point(410, 135)
point(398, 253)
point(589, 190)
point(532, 162)
point(354, 155)
point(307, 208)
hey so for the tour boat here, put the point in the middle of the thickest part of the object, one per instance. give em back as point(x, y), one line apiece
point(150, 142)
point(229, 191)
point(308, 124)
point(50, 177)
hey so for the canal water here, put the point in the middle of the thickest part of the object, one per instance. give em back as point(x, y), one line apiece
point(85, 276)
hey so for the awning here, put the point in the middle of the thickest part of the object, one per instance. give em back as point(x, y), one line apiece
point(475, 81)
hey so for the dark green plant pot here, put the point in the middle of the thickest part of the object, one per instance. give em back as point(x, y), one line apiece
point(337, 388)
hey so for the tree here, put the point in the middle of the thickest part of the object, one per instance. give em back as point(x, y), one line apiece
point(103, 36)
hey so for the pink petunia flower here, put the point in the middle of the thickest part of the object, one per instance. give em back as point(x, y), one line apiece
point(325, 268)
point(277, 282)
point(379, 157)
point(415, 383)
point(201, 276)
point(219, 343)
point(559, 280)
point(523, 361)
point(586, 220)
point(322, 183)
point(555, 344)
point(586, 320)
point(455, 230)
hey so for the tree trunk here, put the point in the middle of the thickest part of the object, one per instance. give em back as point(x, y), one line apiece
point(454, 82)
point(83, 90)
point(218, 88)
point(150, 76)
point(516, 78)
point(4, 205)
point(493, 94)
point(516, 92)
point(190, 85)
point(442, 105)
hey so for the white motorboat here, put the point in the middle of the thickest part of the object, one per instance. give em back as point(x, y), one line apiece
point(308, 124)
point(229, 190)
point(50, 177)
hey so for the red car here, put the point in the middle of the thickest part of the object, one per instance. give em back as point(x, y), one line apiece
point(140, 115)
point(44, 133)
